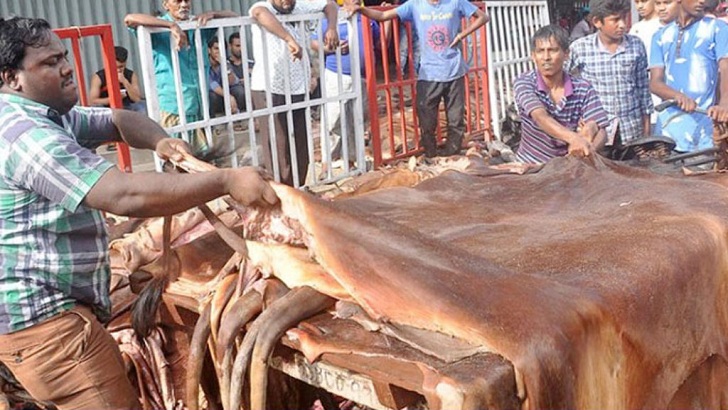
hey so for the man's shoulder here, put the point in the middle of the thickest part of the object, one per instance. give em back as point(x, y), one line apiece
point(527, 77)
point(584, 43)
point(579, 84)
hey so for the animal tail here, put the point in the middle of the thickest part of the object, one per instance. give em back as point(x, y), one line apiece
point(144, 310)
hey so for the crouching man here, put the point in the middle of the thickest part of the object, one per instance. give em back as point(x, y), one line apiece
point(54, 268)
point(560, 114)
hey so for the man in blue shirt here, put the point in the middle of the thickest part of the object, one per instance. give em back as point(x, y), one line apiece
point(442, 68)
point(689, 60)
point(334, 117)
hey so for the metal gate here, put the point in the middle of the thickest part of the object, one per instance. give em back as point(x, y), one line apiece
point(511, 26)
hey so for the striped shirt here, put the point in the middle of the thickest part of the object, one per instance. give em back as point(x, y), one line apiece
point(580, 101)
point(53, 250)
point(620, 79)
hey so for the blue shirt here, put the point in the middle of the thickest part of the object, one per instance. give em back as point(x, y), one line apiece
point(691, 69)
point(344, 35)
point(580, 101)
point(436, 26)
point(620, 79)
point(166, 90)
point(53, 249)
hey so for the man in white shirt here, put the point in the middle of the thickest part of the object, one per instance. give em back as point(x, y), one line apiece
point(281, 61)
point(644, 29)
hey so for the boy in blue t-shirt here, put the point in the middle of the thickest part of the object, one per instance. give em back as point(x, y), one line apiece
point(442, 67)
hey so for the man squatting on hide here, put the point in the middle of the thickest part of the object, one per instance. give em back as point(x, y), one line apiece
point(54, 270)
point(560, 113)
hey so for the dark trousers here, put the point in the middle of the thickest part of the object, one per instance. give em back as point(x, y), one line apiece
point(217, 103)
point(279, 137)
point(429, 94)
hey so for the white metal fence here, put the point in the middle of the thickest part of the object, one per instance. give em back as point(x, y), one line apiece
point(511, 26)
point(244, 146)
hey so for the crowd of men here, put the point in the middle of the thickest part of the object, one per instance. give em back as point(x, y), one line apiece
point(601, 89)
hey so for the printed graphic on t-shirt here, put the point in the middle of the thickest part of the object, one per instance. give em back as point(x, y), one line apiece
point(438, 38)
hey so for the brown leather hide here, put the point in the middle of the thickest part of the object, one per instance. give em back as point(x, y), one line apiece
point(604, 285)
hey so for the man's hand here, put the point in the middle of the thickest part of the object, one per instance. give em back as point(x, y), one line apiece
point(588, 129)
point(456, 40)
point(331, 38)
point(294, 48)
point(685, 103)
point(718, 113)
point(579, 146)
point(179, 36)
point(352, 8)
point(172, 148)
point(203, 18)
point(344, 47)
point(233, 105)
point(250, 186)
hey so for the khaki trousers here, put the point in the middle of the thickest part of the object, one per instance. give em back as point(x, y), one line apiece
point(70, 360)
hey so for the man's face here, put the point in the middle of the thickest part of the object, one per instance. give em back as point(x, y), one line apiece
point(45, 76)
point(283, 6)
point(549, 57)
point(645, 8)
point(214, 53)
point(120, 66)
point(179, 9)
point(235, 48)
point(666, 10)
point(692, 8)
point(613, 27)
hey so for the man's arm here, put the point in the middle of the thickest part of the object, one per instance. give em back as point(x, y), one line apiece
point(132, 88)
point(371, 13)
point(578, 145)
point(147, 194)
point(642, 87)
point(480, 20)
point(138, 19)
point(94, 94)
point(331, 37)
point(719, 112)
point(154, 194)
point(664, 91)
point(269, 22)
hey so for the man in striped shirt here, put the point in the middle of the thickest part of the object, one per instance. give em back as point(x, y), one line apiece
point(54, 273)
point(560, 114)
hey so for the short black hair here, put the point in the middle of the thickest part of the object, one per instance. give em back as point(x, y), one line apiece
point(600, 9)
point(552, 30)
point(709, 6)
point(122, 54)
point(17, 34)
point(211, 42)
point(233, 36)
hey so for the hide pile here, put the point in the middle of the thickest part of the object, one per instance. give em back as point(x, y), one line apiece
point(585, 284)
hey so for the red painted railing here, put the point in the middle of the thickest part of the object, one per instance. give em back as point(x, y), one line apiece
point(75, 34)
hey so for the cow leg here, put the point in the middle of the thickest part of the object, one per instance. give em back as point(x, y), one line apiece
point(303, 303)
point(289, 310)
point(241, 312)
point(196, 358)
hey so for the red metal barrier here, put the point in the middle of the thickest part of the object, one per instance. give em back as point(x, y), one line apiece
point(74, 34)
point(394, 127)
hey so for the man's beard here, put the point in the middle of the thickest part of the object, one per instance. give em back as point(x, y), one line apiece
point(282, 10)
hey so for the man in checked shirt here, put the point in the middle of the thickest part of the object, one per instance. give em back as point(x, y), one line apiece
point(615, 63)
